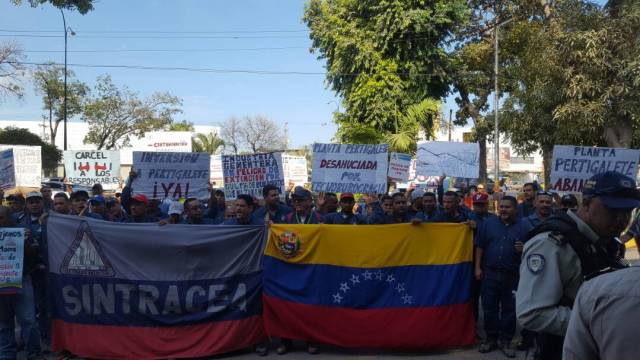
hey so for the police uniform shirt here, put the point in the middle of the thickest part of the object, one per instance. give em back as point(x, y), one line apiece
point(497, 240)
point(605, 318)
point(549, 272)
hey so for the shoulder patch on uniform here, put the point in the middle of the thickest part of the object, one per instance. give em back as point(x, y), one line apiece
point(535, 263)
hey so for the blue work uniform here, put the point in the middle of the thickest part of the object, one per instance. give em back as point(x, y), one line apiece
point(277, 216)
point(253, 220)
point(202, 221)
point(293, 218)
point(447, 218)
point(345, 219)
point(427, 216)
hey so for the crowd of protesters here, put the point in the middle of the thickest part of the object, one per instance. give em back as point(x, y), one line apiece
point(500, 224)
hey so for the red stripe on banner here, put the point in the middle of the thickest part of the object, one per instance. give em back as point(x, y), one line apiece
point(119, 342)
point(400, 328)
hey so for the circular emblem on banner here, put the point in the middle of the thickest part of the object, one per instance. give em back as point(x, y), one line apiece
point(289, 244)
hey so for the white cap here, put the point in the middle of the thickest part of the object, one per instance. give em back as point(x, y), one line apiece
point(176, 208)
point(33, 194)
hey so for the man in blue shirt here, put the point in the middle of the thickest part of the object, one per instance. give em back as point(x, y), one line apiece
point(303, 208)
point(244, 212)
point(527, 207)
point(451, 209)
point(138, 213)
point(384, 216)
point(499, 245)
point(429, 207)
point(543, 203)
point(194, 214)
point(481, 209)
point(272, 210)
point(346, 215)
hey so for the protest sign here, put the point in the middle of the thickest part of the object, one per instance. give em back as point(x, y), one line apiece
point(88, 167)
point(573, 165)
point(354, 168)
point(27, 162)
point(437, 158)
point(247, 174)
point(295, 170)
point(7, 170)
point(399, 165)
point(171, 174)
point(11, 259)
point(155, 292)
point(217, 177)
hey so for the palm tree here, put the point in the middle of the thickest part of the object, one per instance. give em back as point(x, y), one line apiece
point(421, 116)
point(208, 143)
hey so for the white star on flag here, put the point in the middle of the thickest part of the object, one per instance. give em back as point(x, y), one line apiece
point(337, 298)
point(367, 275)
point(379, 275)
point(390, 278)
point(344, 287)
point(355, 279)
point(407, 299)
point(400, 287)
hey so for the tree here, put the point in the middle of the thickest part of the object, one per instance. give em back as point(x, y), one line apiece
point(83, 6)
point(261, 134)
point(231, 135)
point(49, 81)
point(209, 143)
point(183, 125)
point(51, 156)
point(11, 70)
point(382, 58)
point(115, 114)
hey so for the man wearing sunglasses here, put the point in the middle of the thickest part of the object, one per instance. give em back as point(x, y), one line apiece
point(568, 249)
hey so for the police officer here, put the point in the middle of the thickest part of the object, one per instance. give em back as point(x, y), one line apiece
point(568, 249)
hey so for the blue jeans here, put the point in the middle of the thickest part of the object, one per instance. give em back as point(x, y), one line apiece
point(499, 304)
point(22, 308)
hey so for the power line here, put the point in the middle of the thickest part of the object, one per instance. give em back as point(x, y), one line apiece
point(167, 50)
point(162, 31)
point(157, 37)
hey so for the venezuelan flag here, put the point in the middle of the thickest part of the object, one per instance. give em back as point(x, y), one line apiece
point(389, 286)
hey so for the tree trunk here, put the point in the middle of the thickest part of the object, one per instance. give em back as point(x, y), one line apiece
point(483, 160)
point(547, 158)
point(619, 133)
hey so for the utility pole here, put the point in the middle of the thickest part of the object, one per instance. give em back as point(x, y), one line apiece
point(286, 135)
point(496, 98)
point(64, 113)
point(450, 123)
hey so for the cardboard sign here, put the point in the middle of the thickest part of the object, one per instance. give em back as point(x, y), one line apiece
point(11, 259)
point(7, 170)
point(248, 174)
point(355, 168)
point(295, 170)
point(573, 165)
point(172, 175)
point(399, 165)
point(88, 167)
point(437, 158)
point(217, 177)
point(27, 162)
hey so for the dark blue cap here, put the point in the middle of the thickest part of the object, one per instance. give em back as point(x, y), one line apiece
point(301, 193)
point(616, 191)
point(98, 199)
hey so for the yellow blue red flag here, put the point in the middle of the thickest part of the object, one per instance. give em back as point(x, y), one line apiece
point(392, 286)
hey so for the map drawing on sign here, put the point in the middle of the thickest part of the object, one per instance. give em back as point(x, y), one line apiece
point(438, 158)
point(85, 256)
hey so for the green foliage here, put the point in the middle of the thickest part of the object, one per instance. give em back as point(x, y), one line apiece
point(49, 82)
point(382, 58)
point(11, 70)
point(51, 156)
point(82, 6)
point(183, 125)
point(115, 114)
point(209, 143)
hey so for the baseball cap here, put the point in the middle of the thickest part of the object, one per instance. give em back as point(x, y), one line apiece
point(300, 192)
point(176, 208)
point(140, 198)
point(616, 191)
point(98, 199)
point(346, 195)
point(34, 194)
point(480, 187)
point(415, 194)
point(569, 200)
point(480, 198)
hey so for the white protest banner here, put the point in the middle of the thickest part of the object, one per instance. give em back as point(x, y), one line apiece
point(295, 170)
point(167, 141)
point(88, 167)
point(399, 165)
point(354, 168)
point(437, 158)
point(11, 259)
point(27, 162)
point(573, 165)
point(217, 177)
point(247, 174)
point(171, 174)
point(7, 170)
